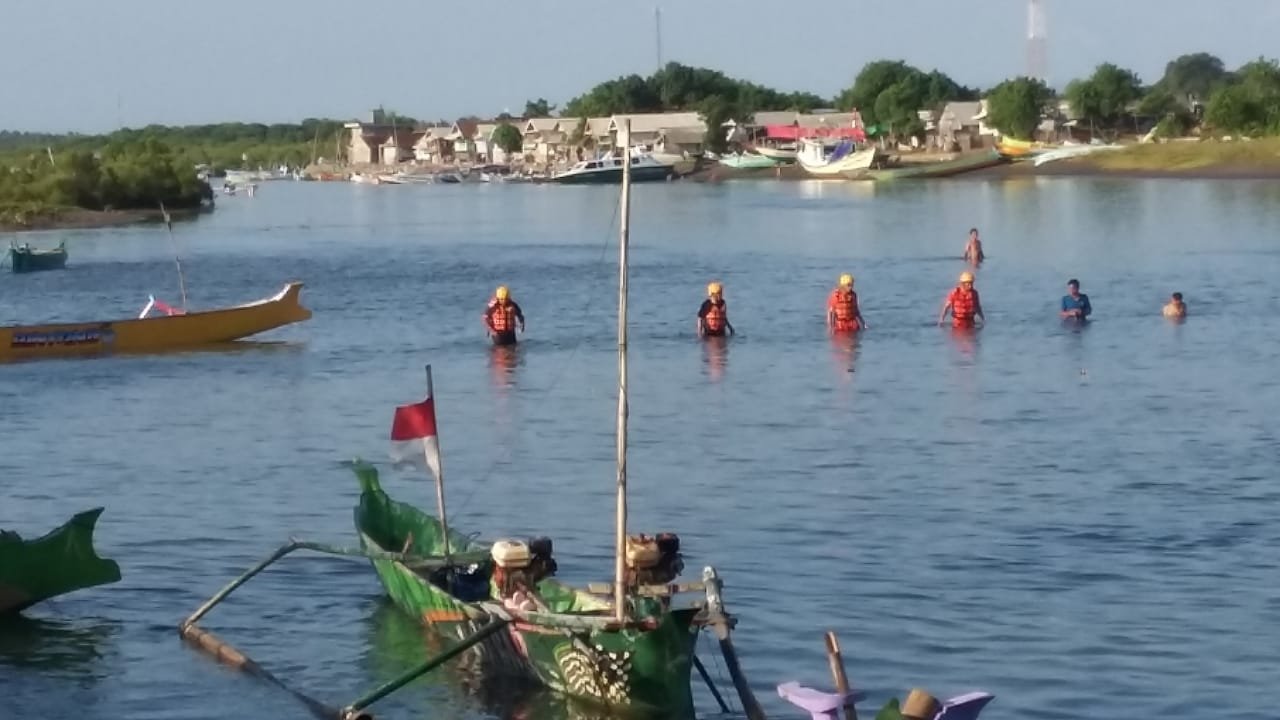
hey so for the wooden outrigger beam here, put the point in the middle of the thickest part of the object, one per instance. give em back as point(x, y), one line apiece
point(721, 624)
point(226, 653)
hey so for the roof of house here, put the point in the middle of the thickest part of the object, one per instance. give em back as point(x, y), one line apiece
point(961, 112)
point(541, 124)
point(465, 128)
point(550, 137)
point(652, 122)
point(483, 131)
point(773, 117)
point(682, 136)
point(826, 120)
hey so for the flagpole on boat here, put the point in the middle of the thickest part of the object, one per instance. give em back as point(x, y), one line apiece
point(620, 550)
point(439, 459)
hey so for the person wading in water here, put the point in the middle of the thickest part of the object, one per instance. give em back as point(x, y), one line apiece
point(713, 316)
point(1175, 308)
point(501, 316)
point(973, 249)
point(1075, 304)
point(843, 314)
point(964, 304)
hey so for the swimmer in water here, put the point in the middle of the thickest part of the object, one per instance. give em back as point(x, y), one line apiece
point(973, 249)
point(1175, 308)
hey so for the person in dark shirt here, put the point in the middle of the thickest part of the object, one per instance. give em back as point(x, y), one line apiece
point(1075, 304)
point(713, 316)
point(501, 316)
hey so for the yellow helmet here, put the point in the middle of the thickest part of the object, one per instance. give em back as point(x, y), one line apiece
point(846, 280)
point(966, 277)
point(502, 293)
point(714, 288)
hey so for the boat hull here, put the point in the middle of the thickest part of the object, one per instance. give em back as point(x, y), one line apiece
point(25, 261)
point(58, 563)
point(855, 163)
point(154, 334)
point(634, 672)
point(948, 168)
point(613, 176)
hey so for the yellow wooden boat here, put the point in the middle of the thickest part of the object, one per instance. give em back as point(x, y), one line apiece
point(176, 331)
point(1018, 149)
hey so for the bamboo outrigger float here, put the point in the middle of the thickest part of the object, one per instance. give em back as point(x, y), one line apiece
point(628, 646)
point(176, 331)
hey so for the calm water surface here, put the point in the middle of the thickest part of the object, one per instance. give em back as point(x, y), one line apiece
point(1080, 521)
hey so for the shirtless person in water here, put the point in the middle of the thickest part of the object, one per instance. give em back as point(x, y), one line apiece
point(973, 249)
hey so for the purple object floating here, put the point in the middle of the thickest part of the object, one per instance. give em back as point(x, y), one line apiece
point(826, 706)
point(820, 705)
point(964, 707)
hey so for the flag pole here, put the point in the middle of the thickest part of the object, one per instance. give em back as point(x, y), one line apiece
point(624, 227)
point(444, 522)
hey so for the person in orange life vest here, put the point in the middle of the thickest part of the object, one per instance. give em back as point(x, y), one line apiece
point(964, 304)
point(973, 249)
point(501, 315)
point(843, 314)
point(713, 316)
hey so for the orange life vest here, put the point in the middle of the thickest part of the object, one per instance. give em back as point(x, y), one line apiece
point(845, 306)
point(963, 307)
point(716, 315)
point(501, 316)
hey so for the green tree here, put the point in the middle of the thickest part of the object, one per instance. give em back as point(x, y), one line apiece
point(1015, 106)
point(508, 138)
point(1194, 75)
point(1250, 104)
point(874, 78)
point(1103, 98)
point(538, 108)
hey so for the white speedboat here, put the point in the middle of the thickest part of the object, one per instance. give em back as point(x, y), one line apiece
point(607, 170)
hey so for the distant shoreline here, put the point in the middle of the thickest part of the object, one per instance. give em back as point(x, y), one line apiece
point(82, 219)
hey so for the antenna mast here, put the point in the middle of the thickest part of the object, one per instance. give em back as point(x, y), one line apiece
point(657, 27)
point(1037, 40)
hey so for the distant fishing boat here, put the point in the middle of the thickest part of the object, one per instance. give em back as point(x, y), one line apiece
point(62, 561)
point(175, 330)
point(24, 258)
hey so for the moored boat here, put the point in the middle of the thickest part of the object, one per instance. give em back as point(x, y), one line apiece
point(608, 170)
point(748, 161)
point(842, 159)
point(570, 644)
point(58, 563)
point(947, 168)
point(786, 153)
point(24, 258)
point(175, 331)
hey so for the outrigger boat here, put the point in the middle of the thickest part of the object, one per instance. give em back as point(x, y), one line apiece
point(62, 561)
point(175, 330)
point(24, 258)
point(925, 170)
point(627, 647)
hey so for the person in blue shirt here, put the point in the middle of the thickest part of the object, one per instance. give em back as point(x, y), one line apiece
point(1075, 304)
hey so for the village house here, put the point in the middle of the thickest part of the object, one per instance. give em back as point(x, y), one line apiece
point(462, 135)
point(544, 141)
point(376, 141)
point(435, 146)
point(482, 144)
point(960, 126)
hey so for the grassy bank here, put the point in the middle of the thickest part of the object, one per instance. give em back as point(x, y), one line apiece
point(1209, 158)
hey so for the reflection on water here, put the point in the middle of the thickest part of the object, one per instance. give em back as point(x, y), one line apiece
point(503, 362)
point(58, 648)
point(715, 356)
point(844, 355)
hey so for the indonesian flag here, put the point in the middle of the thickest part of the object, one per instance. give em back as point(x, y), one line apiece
point(413, 435)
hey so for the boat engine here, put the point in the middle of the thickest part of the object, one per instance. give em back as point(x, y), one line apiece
point(653, 560)
point(520, 565)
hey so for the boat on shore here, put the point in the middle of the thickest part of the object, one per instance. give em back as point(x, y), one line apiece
point(607, 170)
point(783, 153)
point(174, 331)
point(24, 258)
point(924, 170)
point(842, 159)
point(748, 161)
point(62, 561)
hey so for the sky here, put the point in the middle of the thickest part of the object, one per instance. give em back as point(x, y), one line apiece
point(92, 66)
